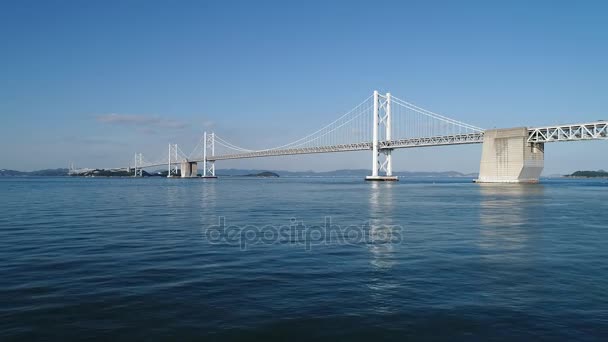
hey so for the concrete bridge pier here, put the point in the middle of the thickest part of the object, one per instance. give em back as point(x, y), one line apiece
point(185, 169)
point(188, 169)
point(193, 169)
point(508, 157)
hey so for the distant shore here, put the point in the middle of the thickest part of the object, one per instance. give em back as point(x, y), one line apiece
point(64, 172)
point(90, 172)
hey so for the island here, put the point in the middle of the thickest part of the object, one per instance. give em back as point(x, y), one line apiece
point(101, 173)
point(589, 174)
point(38, 173)
point(265, 174)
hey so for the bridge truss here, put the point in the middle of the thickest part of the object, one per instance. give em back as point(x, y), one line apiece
point(587, 131)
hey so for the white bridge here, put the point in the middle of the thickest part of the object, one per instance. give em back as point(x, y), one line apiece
point(382, 123)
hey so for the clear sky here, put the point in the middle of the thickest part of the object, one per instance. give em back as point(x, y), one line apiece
point(264, 73)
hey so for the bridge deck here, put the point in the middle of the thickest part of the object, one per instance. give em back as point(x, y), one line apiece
point(474, 138)
point(586, 131)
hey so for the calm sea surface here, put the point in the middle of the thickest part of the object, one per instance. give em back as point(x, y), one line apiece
point(302, 259)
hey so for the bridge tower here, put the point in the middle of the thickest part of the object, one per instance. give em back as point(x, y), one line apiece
point(208, 150)
point(172, 167)
point(382, 160)
point(137, 169)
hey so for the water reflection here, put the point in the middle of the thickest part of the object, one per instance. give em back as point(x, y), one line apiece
point(506, 213)
point(382, 249)
point(381, 224)
point(176, 201)
point(208, 203)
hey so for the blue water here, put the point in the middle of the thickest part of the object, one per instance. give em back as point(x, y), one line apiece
point(147, 259)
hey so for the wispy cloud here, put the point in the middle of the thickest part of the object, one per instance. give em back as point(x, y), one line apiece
point(142, 121)
point(92, 140)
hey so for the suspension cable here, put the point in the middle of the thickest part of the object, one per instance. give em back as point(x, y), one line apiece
point(423, 111)
point(303, 138)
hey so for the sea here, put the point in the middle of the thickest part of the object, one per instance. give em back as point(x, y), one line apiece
point(290, 259)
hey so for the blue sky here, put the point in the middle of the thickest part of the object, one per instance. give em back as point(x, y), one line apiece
point(95, 81)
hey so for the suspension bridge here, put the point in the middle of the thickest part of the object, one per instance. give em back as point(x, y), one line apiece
point(382, 123)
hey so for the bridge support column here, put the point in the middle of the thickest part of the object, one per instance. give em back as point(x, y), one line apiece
point(185, 169)
point(193, 169)
point(382, 104)
point(209, 169)
point(389, 162)
point(508, 157)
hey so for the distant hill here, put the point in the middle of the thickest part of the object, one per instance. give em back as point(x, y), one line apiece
point(4, 172)
point(102, 173)
point(263, 174)
point(43, 173)
point(50, 172)
point(589, 174)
